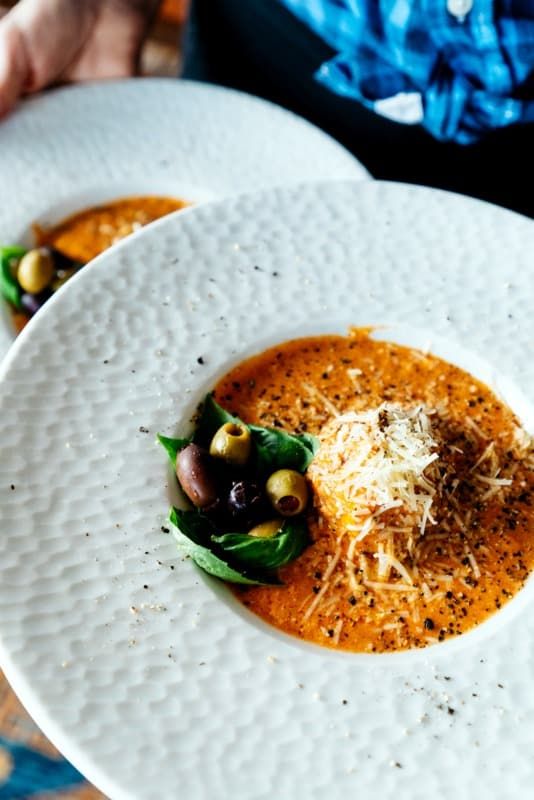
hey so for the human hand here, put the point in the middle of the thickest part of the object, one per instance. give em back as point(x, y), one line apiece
point(49, 41)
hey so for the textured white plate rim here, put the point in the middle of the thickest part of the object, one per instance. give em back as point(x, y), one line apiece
point(24, 688)
point(64, 743)
point(58, 202)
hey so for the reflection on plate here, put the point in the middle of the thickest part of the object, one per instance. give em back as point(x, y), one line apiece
point(126, 654)
point(149, 136)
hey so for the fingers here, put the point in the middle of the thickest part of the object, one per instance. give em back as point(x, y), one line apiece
point(38, 39)
point(115, 41)
point(43, 41)
point(14, 65)
point(53, 33)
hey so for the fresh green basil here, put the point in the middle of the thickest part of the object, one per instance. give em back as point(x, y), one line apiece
point(276, 449)
point(268, 553)
point(194, 534)
point(173, 446)
point(211, 418)
point(9, 286)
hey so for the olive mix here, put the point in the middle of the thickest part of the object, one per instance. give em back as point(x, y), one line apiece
point(28, 278)
point(215, 482)
point(248, 491)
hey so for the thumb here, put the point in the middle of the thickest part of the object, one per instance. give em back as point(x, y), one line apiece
point(15, 66)
point(51, 33)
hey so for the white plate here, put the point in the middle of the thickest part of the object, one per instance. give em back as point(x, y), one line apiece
point(74, 147)
point(187, 696)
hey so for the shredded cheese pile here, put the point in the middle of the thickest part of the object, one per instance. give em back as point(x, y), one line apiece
point(396, 486)
point(373, 462)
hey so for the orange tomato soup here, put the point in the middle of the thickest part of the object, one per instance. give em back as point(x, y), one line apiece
point(88, 233)
point(83, 236)
point(479, 549)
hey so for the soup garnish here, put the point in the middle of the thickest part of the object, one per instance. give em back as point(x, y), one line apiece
point(248, 494)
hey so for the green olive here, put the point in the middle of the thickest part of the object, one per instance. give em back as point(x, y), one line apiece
point(266, 530)
point(232, 443)
point(36, 270)
point(287, 492)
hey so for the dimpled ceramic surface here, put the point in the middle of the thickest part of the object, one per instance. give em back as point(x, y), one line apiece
point(138, 667)
point(79, 146)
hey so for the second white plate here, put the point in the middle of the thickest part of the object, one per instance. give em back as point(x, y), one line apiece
point(78, 146)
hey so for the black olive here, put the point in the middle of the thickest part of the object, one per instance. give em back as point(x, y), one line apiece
point(246, 503)
point(62, 261)
point(31, 303)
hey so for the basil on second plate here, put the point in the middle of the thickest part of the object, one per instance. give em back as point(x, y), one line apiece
point(9, 286)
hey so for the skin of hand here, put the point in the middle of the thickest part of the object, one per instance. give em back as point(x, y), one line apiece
point(56, 41)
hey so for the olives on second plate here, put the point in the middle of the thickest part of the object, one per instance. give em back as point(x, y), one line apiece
point(196, 476)
point(62, 276)
point(232, 443)
point(35, 270)
point(31, 303)
point(246, 503)
point(266, 530)
point(287, 492)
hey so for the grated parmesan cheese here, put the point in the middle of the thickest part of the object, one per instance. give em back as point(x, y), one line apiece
point(393, 496)
point(374, 462)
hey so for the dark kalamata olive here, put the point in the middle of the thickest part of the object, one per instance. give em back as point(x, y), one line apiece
point(194, 470)
point(246, 503)
point(33, 302)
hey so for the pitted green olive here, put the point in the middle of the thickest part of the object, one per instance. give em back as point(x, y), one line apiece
point(287, 492)
point(266, 530)
point(232, 443)
point(35, 270)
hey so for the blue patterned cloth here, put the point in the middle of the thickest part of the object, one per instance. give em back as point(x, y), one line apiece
point(458, 77)
point(32, 773)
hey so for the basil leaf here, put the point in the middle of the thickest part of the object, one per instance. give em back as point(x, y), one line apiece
point(193, 524)
point(268, 553)
point(211, 419)
point(193, 533)
point(276, 449)
point(9, 286)
point(173, 446)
